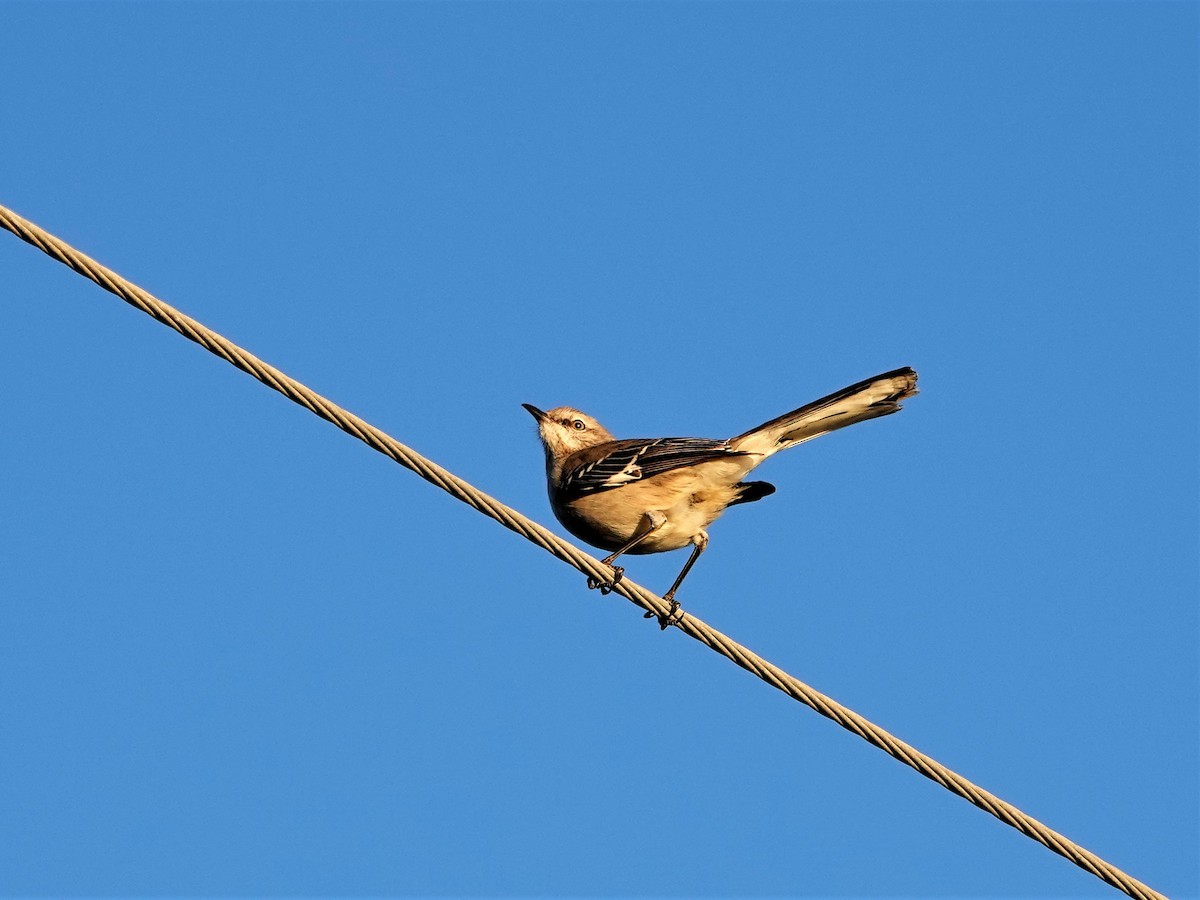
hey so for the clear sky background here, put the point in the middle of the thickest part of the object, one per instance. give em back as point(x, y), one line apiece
point(242, 654)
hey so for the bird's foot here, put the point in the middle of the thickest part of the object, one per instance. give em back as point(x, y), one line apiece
point(673, 617)
point(606, 586)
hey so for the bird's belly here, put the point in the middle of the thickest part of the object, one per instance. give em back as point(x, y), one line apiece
point(683, 524)
point(602, 525)
point(609, 521)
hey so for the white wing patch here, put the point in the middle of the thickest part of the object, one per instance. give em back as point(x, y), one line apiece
point(631, 472)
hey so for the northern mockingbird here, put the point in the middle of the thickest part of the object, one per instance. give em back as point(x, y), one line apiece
point(653, 495)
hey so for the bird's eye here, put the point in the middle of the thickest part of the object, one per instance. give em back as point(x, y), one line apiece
point(578, 425)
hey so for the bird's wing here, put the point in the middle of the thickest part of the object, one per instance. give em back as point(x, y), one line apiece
point(611, 465)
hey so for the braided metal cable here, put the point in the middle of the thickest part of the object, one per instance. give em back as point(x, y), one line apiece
point(585, 563)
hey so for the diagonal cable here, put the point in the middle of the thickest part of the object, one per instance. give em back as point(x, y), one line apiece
point(547, 540)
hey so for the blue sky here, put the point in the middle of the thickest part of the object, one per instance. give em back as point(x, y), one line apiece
point(242, 654)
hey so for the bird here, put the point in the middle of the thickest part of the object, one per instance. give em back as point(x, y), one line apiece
point(652, 495)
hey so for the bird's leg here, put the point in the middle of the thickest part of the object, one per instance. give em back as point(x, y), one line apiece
point(701, 544)
point(650, 522)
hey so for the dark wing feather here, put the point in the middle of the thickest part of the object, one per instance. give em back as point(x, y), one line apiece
point(611, 465)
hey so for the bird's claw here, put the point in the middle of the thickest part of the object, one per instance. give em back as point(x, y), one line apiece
point(673, 617)
point(606, 586)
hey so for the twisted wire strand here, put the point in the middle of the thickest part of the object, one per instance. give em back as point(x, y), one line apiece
point(585, 563)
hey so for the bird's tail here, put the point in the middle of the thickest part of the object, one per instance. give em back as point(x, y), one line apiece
point(878, 396)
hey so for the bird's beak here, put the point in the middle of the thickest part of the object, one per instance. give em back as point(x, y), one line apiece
point(535, 412)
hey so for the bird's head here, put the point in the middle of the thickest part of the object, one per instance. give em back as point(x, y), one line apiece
point(564, 430)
